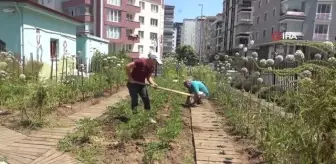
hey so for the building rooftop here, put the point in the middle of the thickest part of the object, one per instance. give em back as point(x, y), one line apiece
point(169, 6)
point(49, 10)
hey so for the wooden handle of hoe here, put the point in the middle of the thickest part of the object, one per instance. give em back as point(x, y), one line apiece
point(166, 89)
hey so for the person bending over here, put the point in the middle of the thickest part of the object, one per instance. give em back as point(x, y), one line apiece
point(199, 91)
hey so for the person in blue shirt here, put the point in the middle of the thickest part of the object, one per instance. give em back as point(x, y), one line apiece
point(198, 89)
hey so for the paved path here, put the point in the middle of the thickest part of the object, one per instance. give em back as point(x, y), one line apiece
point(212, 143)
point(40, 146)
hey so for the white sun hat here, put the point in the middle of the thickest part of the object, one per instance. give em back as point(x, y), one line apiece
point(155, 57)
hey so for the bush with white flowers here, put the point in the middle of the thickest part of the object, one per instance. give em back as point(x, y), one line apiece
point(299, 55)
point(263, 62)
point(270, 62)
point(290, 58)
point(317, 56)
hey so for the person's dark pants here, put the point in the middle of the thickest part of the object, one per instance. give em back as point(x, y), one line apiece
point(135, 90)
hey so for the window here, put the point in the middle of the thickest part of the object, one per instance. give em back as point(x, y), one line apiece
point(141, 20)
point(141, 34)
point(114, 2)
point(264, 33)
point(324, 8)
point(88, 27)
point(113, 15)
point(113, 32)
point(265, 17)
point(131, 2)
point(54, 48)
point(129, 32)
point(142, 5)
point(321, 29)
point(153, 36)
point(2, 46)
point(272, 30)
point(128, 47)
point(257, 35)
point(129, 17)
point(267, 1)
point(155, 8)
point(71, 11)
point(259, 5)
point(153, 49)
point(154, 22)
point(258, 20)
point(273, 12)
point(140, 49)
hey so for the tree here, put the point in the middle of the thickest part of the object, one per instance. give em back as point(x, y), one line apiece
point(186, 54)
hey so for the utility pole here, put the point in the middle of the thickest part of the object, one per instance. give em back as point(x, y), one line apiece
point(200, 38)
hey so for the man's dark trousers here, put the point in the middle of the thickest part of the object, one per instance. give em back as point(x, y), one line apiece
point(135, 90)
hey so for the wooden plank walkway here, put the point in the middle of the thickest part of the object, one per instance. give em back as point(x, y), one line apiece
point(212, 144)
point(40, 147)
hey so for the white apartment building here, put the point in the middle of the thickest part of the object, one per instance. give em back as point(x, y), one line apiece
point(188, 34)
point(174, 39)
point(151, 18)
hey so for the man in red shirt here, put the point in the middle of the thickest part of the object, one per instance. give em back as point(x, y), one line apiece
point(138, 71)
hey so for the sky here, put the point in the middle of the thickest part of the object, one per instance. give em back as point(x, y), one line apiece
point(190, 8)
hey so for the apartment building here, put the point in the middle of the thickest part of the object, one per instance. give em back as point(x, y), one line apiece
point(200, 32)
point(302, 20)
point(216, 36)
point(237, 20)
point(207, 38)
point(151, 18)
point(178, 31)
point(188, 34)
point(135, 26)
point(168, 34)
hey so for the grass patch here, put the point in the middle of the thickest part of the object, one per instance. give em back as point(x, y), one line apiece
point(155, 151)
point(84, 143)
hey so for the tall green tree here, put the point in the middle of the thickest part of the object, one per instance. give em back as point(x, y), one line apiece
point(186, 54)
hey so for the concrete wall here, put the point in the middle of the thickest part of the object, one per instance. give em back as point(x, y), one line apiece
point(50, 29)
point(10, 29)
point(88, 45)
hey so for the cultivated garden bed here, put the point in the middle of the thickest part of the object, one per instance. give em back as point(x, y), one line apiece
point(122, 137)
point(29, 103)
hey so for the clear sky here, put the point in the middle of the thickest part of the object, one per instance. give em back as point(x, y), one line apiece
point(190, 9)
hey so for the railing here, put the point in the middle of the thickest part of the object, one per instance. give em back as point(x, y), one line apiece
point(320, 37)
point(323, 16)
point(245, 20)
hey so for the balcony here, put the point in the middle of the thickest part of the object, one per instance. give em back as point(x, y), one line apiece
point(292, 10)
point(247, 21)
point(320, 37)
point(323, 16)
point(132, 38)
point(85, 18)
point(132, 8)
point(168, 30)
point(132, 24)
point(72, 3)
point(244, 6)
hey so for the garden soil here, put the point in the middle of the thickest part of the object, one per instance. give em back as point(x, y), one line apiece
point(55, 118)
point(244, 146)
point(181, 152)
